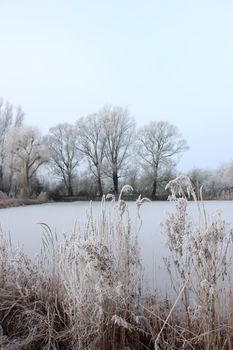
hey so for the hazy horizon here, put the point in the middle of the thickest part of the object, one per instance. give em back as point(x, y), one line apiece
point(164, 60)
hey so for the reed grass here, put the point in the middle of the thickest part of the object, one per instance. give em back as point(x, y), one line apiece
point(17, 202)
point(85, 291)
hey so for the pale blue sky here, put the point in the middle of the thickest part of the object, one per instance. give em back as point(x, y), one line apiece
point(167, 60)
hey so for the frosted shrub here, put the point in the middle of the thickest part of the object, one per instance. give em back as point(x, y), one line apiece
point(3, 195)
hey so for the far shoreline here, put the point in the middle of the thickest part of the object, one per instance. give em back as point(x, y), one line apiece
point(20, 202)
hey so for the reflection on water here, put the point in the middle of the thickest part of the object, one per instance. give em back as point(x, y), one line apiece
point(23, 225)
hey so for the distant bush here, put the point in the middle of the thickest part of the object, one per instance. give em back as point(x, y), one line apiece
point(43, 196)
point(3, 195)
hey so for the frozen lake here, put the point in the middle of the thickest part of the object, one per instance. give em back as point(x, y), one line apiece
point(23, 225)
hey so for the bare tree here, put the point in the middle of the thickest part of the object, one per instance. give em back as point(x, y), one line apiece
point(9, 118)
point(64, 153)
point(92, 141)
point(213, 183)
point(28, 154)
point(158, 145)
point(118, 128)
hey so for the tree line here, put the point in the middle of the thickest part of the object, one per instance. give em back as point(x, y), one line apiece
point(97, 154)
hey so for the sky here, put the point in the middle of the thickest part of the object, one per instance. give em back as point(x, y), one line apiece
point(164, 59)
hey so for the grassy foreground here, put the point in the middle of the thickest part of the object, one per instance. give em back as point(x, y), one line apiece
point(86, 290)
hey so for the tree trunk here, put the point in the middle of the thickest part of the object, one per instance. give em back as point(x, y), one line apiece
point(26, 185)
point(155, 183)
point(70, 191)
point(69, 187)
point(154, 190)
point(1, 178)
point(10, 186)
point(99, 183)
point(115, 182)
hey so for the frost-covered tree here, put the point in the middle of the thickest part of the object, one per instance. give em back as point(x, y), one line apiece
point(213, 183)
point(228, 175)
point(158, 145)
point(27, 153)
point(64, 153)
point(92, 142)
point(118, 128)
point(9, 118)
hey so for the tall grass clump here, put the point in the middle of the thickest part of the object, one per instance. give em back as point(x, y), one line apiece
point(83, 292)
point(201, 261)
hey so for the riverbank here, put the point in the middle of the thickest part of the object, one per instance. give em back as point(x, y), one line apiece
point(16, 202)
point(133, 198)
